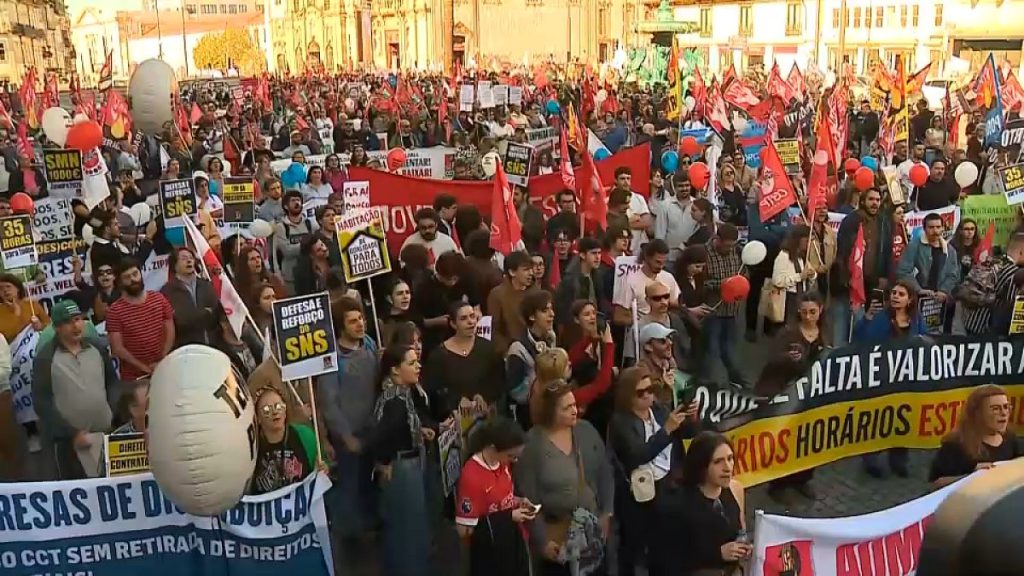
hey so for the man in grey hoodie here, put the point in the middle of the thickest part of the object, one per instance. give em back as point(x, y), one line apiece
point(288, 236)
point(345, 399)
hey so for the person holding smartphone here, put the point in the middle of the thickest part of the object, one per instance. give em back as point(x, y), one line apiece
point(645, 437)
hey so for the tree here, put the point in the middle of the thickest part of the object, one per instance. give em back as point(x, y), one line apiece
point(216, 50)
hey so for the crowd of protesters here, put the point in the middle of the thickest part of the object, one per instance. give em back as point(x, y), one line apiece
point(581, 418)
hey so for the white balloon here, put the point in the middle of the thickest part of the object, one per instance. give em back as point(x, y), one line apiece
point(141, 214)
point(754, 253)
point(151, 88)
point(261, 229)
point(56, 121)
point(690, 102)
point(202, 435)
point(820, 157)
point(601, 96)
point(966, 174)
point(87, 235)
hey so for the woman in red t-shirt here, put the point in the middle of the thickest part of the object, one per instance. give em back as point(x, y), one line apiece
point(488, 515)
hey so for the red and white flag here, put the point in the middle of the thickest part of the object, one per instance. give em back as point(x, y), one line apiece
point(506, 231)
point(984, 250)
point(775, 191)
point(234, 308)
point(796, 82)
point(740, 95)
point(1012, 93)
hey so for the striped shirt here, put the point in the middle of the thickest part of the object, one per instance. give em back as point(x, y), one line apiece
point(142, 329)
point(979, 320)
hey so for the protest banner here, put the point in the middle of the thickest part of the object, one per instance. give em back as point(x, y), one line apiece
point(177, 201)
point(363, 244)
point(356, 195)
point(467, 97)
point(17, 245)
point(518, 163)
point(932, 315)
point(23, 353)
point(449, 444)
point(1017, 318)
point(64, 172)
point(1012, 179)
point(542, 139)
point(860, 399)
point(126, 454)
point(789, 153)
point(884, 542)
point(305, 336)
point(991, 208)
point(239, 198)
point(52, 219)
point(437, 162)
point(127, 527)
point(914, 221)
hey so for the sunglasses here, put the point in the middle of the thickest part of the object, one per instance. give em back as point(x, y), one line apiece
point(641, 392)
point(105, 272)
point(274, 408)
point(660, 297)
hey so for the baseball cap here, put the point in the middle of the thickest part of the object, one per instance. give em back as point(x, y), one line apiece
point(65, 311)
point(654, 331)
point(200, 175)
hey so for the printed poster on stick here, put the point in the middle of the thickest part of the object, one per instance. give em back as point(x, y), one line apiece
point(518, 163)
point(177, 201)
point(17, 247)
point(64, 172)
point(449, 444)
point(1012, 178)
point(789, 153)
point(363, 244)
point(356, 195)
point(239, 201)
point(126, 454)
point(304, 334)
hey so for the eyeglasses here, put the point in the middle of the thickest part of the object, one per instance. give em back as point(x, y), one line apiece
point(660, 297)
point(274, 408)
point(641, 392)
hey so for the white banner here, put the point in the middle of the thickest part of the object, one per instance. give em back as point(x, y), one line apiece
point(437, 162)
point(23, 353)
point(914, 221)
point(52, 219)
point(888, 539)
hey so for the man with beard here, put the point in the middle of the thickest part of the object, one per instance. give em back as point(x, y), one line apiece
point(426, 235)
point(140, 324)
point(877, 250)
point(288, 236)
point(193, 298)
point(903, 168)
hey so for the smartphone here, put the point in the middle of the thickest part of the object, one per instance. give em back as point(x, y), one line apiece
point(687, 396)
point(877, 295)
point(602, 322)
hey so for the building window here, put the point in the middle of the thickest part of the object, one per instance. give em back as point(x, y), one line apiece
point(725, 59)
point(879, 22)
point(903, 16)
point(856, 17)
point(835, 17)
point(190, 8)
point(232, 8)
point(938, 15)
point(224, 8)
point(746, 21)
point(705, 22)
point(603, 22)
point(3, 52)
point(327, 6)
point(793, 19)
point(259, 8)
point(917, 15)
point(297, 5)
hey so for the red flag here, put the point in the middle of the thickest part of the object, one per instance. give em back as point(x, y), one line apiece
point(565, 165)
point(777, 87)
point(740, 95)
point(796, 82)
point(506, 232)
point(300, 123)
point(819, 169)
point(107, 72)
point(776, 192)
point(729, 76)
point(24, 146)
point(116, 115)
point(984, 250)
point(51, 93)
point(5, 116)
point(593, 196)
point(716, 112)
point(29, 101)
point(698, 91)
point(1012, 93)
point(916, 82)
point(196, 115)
point(442, 118)
point(858, 297)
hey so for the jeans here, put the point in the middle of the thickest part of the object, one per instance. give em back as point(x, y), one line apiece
point(898, 458)
point(842, 317)
point(720, 336)
point(403, 508)
point(351, 501)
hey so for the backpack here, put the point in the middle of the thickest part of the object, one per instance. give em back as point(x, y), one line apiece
point(978, 290)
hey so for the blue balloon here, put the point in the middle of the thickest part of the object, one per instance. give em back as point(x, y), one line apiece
point(552, 107)
point(670, 160)
point(601, 154)
point(869, 162)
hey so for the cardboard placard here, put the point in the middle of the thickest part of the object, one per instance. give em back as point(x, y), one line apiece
point(64, 172)
point(892, 179)
point(363, 244)
point(177, 201)
point(518, 163)
point(53, 220)
point(17, 245)
point(356, 195)
point(789, 153)
point(304, 333)
point(1012, 178)
point(515, 95)
point(484, 95)
point(931, 311)
point(500, 94)
point(1017, 318)
point(239, 198)
point(467, 96)
point(126, 454)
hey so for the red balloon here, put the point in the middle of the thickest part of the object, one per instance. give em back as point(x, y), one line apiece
point(22, 203)
point(918, 174)
point(84, 136)
point(863, 178)
point(735, 288)
point(689, 146)
point(698, 174)
point(396, 158)
point(851, 165)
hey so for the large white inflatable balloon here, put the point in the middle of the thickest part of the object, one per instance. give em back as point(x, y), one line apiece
point(151, 88)
point(202, 436)
point(56, 122)
point(966, 173)
point(754, 253)
point(261, 228)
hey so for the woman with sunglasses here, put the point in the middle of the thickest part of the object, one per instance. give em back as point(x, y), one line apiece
point(981, 437)
point(285, 453)
point(100, 296)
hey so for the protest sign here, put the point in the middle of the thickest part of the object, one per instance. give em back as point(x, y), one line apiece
point(326, 140)
point(239, 198)
point(991, 208)
point(485, 327)
point(64, 172)
point(1017, 318)
point(892, 179)
point(305, 336)
point(932, 316)
point(542, 138)
point(484, 95)
point(500, 94)
point(467, 97)
point(1012, 179)
point(515, 95)
point(624, 267)
point(518, 163)
point(450, 448)
point(23, 353)
point(177, 201)
point(789, 153)
point(356, 195)
point(126, 454)
point(52, 219)
point(437, 162)
point(127, 527)
point(363, 244)
point(861, 399)
point(889, 540)
point(17, 245)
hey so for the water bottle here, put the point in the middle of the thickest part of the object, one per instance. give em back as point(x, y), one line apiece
point(743, 537)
